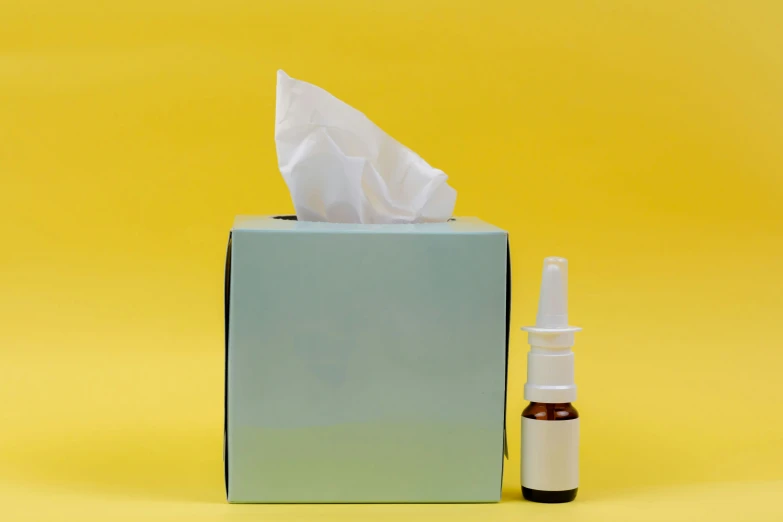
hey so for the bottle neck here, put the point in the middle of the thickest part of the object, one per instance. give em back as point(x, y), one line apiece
point(550, 411)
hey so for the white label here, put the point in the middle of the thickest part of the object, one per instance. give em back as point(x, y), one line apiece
point(550, 454)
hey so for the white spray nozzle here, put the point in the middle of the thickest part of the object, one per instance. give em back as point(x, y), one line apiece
point(553, 300)
point(550, 363)
point(552, 319)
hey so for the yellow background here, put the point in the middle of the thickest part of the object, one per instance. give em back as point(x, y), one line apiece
point(642, 140)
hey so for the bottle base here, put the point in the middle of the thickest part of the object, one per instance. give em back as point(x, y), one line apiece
point(549, 497)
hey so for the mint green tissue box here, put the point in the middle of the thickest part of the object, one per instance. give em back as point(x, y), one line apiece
point(365, 363)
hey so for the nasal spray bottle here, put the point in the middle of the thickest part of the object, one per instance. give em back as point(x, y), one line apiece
point(550, 425)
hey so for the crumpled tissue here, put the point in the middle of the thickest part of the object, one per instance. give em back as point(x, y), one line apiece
point(340, 167)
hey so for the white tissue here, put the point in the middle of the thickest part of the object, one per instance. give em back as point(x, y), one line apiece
point(340, 167)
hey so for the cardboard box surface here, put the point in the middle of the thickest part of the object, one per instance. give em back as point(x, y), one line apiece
point(365, 363)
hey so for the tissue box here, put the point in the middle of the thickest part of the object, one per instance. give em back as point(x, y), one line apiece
point(365, 363)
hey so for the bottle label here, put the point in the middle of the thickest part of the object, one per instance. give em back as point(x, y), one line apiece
point(550, 454)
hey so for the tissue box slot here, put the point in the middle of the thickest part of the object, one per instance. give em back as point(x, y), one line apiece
point(294, 218)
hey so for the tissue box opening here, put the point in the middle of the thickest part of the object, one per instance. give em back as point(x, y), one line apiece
point(294, 218)
point(348, 401)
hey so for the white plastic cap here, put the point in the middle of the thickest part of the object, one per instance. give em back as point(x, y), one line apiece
point(550, 363)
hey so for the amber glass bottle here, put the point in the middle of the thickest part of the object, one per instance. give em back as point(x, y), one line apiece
point(550, 425)
point(542, 412)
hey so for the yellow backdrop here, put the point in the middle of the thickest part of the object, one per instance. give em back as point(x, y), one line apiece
point(642, 140)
